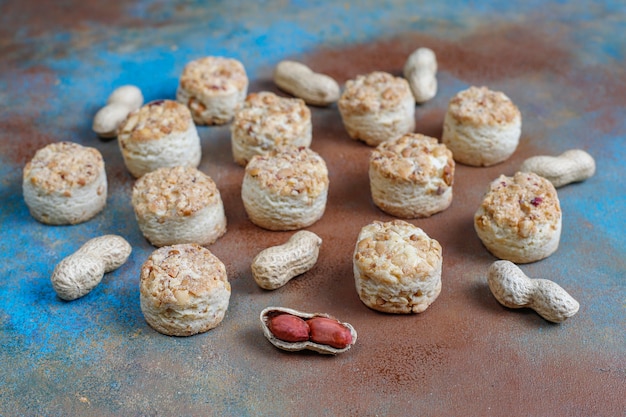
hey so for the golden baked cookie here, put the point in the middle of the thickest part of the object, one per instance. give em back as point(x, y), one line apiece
point(519, 219)
point(285, 189)
point(183, 290)
point(65, 183)
point(411, 176)
point(178, 205)
point(213, 88)
point(481, 127)
point(266, 121)
point(377, 107)
point(159, 134)
point(397, 267)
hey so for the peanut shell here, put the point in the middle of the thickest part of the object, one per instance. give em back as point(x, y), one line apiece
point(268, 312)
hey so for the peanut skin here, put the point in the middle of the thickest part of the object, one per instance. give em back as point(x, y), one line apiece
point(329, 332)
point(275, 266)
point(571, 166)
point(289, 328)
point(513, 289)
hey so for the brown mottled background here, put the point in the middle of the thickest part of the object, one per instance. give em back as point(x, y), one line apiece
point(561, 63)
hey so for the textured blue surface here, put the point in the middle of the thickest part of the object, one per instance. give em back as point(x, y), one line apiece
point(96, 355)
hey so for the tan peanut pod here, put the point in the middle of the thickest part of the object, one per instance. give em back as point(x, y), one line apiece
point(128, 95)
point(513, 289)
point(300, 81)
point(269, 312)
point(275, 266)
point(420, 70)
point(571, 166)
point(80, 272)
point(108, 119)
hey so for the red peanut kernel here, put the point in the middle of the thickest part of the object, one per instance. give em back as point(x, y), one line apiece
point(329, 332)
point(289, 328)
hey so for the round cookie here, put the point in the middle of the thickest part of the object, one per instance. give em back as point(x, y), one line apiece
point(285, 189)
point(397, 267)
point(411, 176)
point(519, 219)
point(213, 88)
point(183, 290)
point(178, 205)
point(266, 121)
point(159, 134)
point(377, 107)
point(65, 183)
point(481, 127)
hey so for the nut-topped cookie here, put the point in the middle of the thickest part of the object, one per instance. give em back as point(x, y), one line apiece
point(213, 88)
point(285, 189)
point(159, 134)
point(266, 121)
point(481, 127)
point(183, 290)
point(411, 176)
point(65, 183)
point(178, 205)
point(377, 107)
point(519, 218)
point(397, 267)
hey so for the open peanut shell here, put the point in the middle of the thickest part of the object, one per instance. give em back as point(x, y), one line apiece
point(269, 312)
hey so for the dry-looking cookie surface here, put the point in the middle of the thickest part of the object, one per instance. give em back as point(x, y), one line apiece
point(159, 134)
point(481, 127)
point(285, 189)
point(377, 107)
point(178, 205)
point(65, 183)
point(213, 88)
point(184, 290)
point(397, 267)
point(267, 121)
point(411, 176)
point(519, 218)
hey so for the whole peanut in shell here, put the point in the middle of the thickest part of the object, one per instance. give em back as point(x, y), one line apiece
point(80, 272)
point(513, 289)
point(573, 165)
point(273, 267)
point(300, 81)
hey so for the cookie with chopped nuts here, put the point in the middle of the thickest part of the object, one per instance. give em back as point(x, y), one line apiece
point(481, 127)
point(213, 88)
point(183, 290)
point(377, 107)
point(411, 176)
point(397, 267)
point(65, 183)
point(266, 121)
point(159, 134)
point(519, 219)
point(285, 189)
point(178, 205)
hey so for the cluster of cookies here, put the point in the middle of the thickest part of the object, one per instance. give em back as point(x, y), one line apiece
point(397, 266)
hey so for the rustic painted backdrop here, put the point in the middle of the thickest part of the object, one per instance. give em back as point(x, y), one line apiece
point(562, 63)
